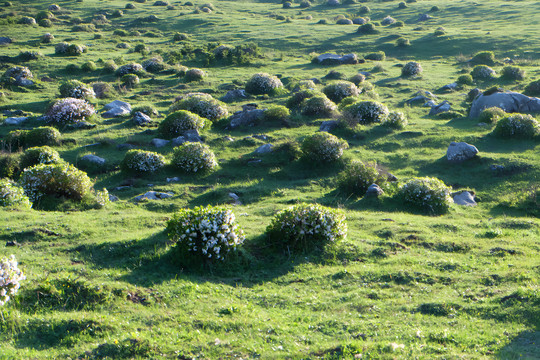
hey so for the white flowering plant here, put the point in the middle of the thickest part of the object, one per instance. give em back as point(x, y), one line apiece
point(39, 155)
point(12, 195)
point(358, 176)
point(102, 197)
point(427, 193)
point(132, 68)
point(195, 75)
point(412, 68)
point(55, 179)
point(206, 233)
point(154, 65)
point(339, 90)
point(318, 105)
point(69, 110)
point(304, 226)
point(10, 278)
point(179, 122)
point(396, 120)
point(518, 126)
point(201, 104)
point(323, 147)
point(483, 72)
point(76, 89)
point(140, 161)
point(365, 112)
point(194, 157)
point(263, 83)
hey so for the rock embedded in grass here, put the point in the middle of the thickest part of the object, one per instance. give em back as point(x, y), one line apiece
point(461, 151)
point(440, 108)
point(116, 108)
point(510, 102)
point(464, 198)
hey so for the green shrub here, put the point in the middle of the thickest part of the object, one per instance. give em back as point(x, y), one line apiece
point(69, 110)
point(12, 195)
point(262, 83)
point(491, 115)
point(130, 80)
point(304, 227)
point(110, 66)
point(484, 58)
point(41, 136)
point(368, 28)
point(9, 166)
point(55, 179)
point(103, 90)
point(154, 65)
point(179, 122)
point(140, 161)
point(376, 56)
point(47, 38)
point(132, 68)
point(358, 176)
point(39, 155)
point(364, 9)
point(483, 72)
point(512, 73)
point(45, 23)
point(396, 120)
point(403, 42)
point(89, 66)
point(318, 105)
point(518, 126)
point(201, 104)
point(276, 113)
point(357, 79)
point(44, 14)
point(364, 112)
point(194, 157)
point(180, 37)
point(533, 88)
point(84, 28)
point(427, 193)
point(411, 68)
point(398, 24)
point(76, 89)
point(304, 4)
point(297, 98)
point(194, 75)
point(323, 147)
point(465, 79)
point(206, 233)
point(145, 109)
point(339, 90)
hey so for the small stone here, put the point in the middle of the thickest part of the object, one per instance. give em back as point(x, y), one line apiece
point(141, 119)
point(235, 198)
point(192, 136)
point(15, 120)
point(442, 107)
point(374, 190)
point(261, 137)
point(153, 195)
point(173, 179)
point(460, 151)
point(228, 138)
point(328, 125)
point(264, 149)
point(113, 198)
point(158, 143)
point(391, 177)
point(120, 188)
point(93, 159)
point(464, 198)
point(253, 162)
point(449, 87)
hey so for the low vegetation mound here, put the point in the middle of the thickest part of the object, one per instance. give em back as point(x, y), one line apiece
point(179, 122)
point(365, 112)
point(194, 157)
point(140, 161)
point(263, 83)
point(201, 104)
point(39, 155)
point(427, 193)
point(323, 147)
point(358, 176)
point(76, 89)
point(12, 195)
point(517, 126)
point(339, 90)
point(68, 111)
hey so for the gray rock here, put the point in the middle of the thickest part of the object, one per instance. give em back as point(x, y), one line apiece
point(442, 107)
point(334, 59)
point(141, 119)
point(359, 21)
point(430, 103)
point(246, 118)
point(153, 195)
point(177, 141)
point(54, 7)
point(228, 138)
point(81, 125)
point(4, 40)
point(15, 120)
point(421, 97)
point(460, 151)
point(234, 95)
point(449, 87)
point(24, 82)
point(235, 198)
point(93, 159)
point(158, 143)
point(344, 22)
point(374, 190)
point(123, 187)
point(464, 198)
point(367, 74)
point(189, 136)
point(125, 146)
point(328, 125)
point(264, 149)
point(510, 102)
point(113, 198)
point(173, 179)
point(261, 137)
point(333, 3)
point(116, 108)
point(425, 17)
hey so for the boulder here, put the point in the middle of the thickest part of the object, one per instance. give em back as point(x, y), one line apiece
point(442, 107)
point(510, 102)
point(264, 149)
point(344, 22)
point(235, 198)
point(359, 21)
point(4, 40)
point(334, 59)
point(54, 7)
point(421, 96)
point(374, 190)
point(424, 17)
point(246, 117)
point(234, 95)
point(153, 195)
point(460, 151)
point(93, 159)
point(158, 143)
point(328, 125)
point(141, 119)
point(116, 108)
point(473, 94)
point(430, 103)
point(464, 198)
point(333, 3)
point(81, 125)
point(15, 120)
point(113, 198)
point(189, 136)
point(449, 87)
point(24, 82)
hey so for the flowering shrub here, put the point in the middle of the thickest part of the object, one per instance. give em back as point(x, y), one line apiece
point(69, 110)
point(41, 136)
point(318, 105)
point(132, 68)
point(55, 179)
point(179, 122)
point(205, 232)
point(303, 226)
point(10, 278)
point(12, 195)
point(61, 48)
point(491, 115)
point(517, 125)
point(201, 104)
point(193, 157)
point(276, 113)
point(388, 20)
point(465, 80)
point(298, 98)
point(69, 49)
point(141, 161)
point(130, 80)
point(427, 193)
point(396, 120)
point(323, 147)
point(39, 155)
point(358, 176)
point(194, 75)
point(76, 89)
point(512, 73)
point(154, 65)
point(263, 83)
point(411, 68)
point(483, 72)
point(365, 112)
point(339, 90)
point(102, 197)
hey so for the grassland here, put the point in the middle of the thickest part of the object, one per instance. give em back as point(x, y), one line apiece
point(107, 284)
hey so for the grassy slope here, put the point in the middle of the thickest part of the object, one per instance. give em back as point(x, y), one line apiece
point(358, 297)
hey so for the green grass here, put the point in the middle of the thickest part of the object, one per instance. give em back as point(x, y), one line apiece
point(108, 284)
